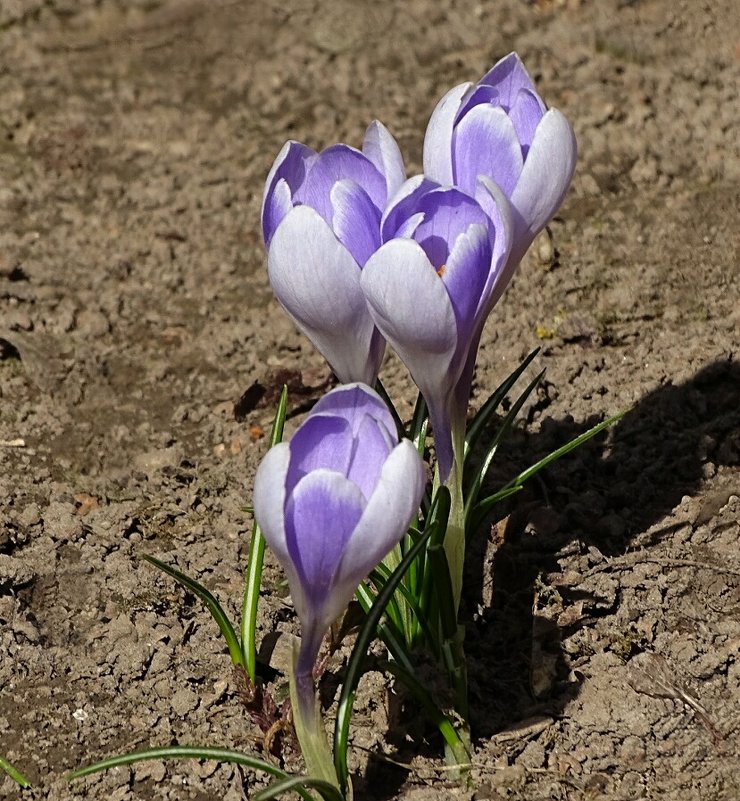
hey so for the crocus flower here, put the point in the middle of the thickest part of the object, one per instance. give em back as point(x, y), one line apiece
point(321, 221)
point(332, 503)
point(430, 287)
point(500, 127)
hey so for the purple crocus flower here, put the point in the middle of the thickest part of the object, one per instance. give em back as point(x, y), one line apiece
point(430, 288)
point(332, 503)
point(500, 127)
point(321, 222)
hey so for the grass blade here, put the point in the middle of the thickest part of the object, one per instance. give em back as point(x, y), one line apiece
point(471, 495)
point(326, 790)
point(253, 576)
point(484, 414)
point(354, 668)
point(525, 475)
point(380, 389)
point(516, 483)
point(185, 752)
point(214, 607)
point(14, 774)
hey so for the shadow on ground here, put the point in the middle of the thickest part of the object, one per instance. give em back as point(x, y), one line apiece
point(594, 501)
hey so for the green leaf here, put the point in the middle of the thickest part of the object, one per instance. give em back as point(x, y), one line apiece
point(14, 774)
point(484, 414)
point(253, 575)
point(380, 389)
point(516, 483)
point(471, 496)
point(185, 752)
point(438, 717)
point(326, 790)
point(214, 607)
point(354, 667)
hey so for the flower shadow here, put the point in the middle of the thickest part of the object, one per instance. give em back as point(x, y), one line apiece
point(591, 504)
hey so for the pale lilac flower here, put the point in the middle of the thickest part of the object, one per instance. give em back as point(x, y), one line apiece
point(500, 127)
point(332, 503)
point(321, 221)
point(430, 288)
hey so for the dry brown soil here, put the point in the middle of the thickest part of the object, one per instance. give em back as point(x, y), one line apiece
point(602, 608)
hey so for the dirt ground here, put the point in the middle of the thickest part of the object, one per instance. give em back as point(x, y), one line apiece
point(602, 608)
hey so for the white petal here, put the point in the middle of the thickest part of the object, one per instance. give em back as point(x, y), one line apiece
point(545, 178)
point(317, 281)
point(497, 207)
point(411, 307)
point(269, 498)
point(438, 137)
point(382, 149)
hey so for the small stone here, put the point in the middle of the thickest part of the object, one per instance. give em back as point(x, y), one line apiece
point(184, 701)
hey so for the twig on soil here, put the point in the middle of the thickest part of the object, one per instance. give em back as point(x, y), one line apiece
point(13, 443)
point(653, 676)
point(629, 560)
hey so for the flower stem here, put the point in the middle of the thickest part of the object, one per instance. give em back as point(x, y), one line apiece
point(309, 726)
point(454, 541)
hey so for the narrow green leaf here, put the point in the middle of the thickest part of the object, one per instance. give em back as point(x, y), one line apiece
point(387, 632)
point(419, 424)
point(471, 495)
point(404, 669)
point(214, 607)
point(326, 790)
point(380, 576)
point(185, 752)
point(484, 414)
point(380, 389)
point(437, 527)
point(525, 475)
point(354, 667)
point(14, 774)
point(442, 721)
point(255, 560)
point(516, 483)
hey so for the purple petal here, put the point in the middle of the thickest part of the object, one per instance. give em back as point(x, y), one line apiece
point(382, 150)
point(545, 179)
point(387, 516)
point(285, 177)
point(316, 280)
point(509, 76)
point(356, 221)
point(320, 517)
point(321, 442)
point(403, 205)
point(487, 95)
point(354, 402)
point(465, 276)
point(438, 136)
point(335, 164)
point(525, 114)
point(448, 212)
point(485, 143)
point(371, 448)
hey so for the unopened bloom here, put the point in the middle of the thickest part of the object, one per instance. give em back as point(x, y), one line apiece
point(500, 127)
point(321, 222)
point(332, 503)
point(430, 288)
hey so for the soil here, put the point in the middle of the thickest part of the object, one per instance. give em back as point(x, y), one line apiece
point(602, 608)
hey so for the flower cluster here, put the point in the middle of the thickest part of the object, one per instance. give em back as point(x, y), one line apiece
point(358, 256)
